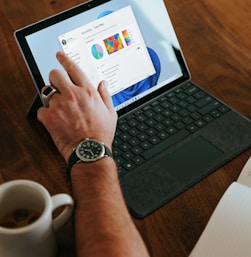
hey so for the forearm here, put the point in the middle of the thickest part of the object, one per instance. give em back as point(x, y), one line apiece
point(103, 225)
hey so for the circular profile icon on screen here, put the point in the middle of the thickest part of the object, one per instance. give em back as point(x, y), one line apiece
point(64, 42)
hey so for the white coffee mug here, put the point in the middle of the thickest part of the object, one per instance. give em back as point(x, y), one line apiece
point(18, 200)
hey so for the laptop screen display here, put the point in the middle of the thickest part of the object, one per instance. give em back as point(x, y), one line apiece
point(131, 44)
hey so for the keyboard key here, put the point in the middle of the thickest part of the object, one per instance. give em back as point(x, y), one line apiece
point(171, 130)
point(208, 118)
point(175, 108)
point(130, 116)
point(117, 141)
point(200, 123)
point(133, 132)
point(142, 137)
point(167, 113)
point(137, 150)
point(165, 104)
point(224, 109)
point(151, 131)
point(141, 118)
point(167, 122)
point(163, 134)
point(124, 136)
point(158, 109)
point(146, 145)
point(133, 123)
point(154, 140)
point(192, 128)
point(191, 99)
point(159, 117)
point(150, 122)
point(142, 127)
point(182, 95)
point(184, 113)
point(155, 103)
point(138, 160)
point(191, 90)
point(176, 117)
point(199, 94)
point(204, 101)
point(128, 165)
point(128, 155)
point(165, 144)
point(159, 127)
point(117, 152)
point(174, 100)
point(216, 114)
point(195, 115)
point(188, 120)
point(210, 107)
point(192, 108)
point(124, 127)
point(149, 113)
point(183, 104)
point(120, 160)
point(125, 147)
point(179, 125)
point(134, 141)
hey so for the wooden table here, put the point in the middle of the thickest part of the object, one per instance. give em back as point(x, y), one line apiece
point(216, 40)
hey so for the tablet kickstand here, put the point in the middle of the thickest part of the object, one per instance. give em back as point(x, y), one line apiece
point(36, 104)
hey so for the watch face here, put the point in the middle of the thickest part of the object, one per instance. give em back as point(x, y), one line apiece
point(90, 150)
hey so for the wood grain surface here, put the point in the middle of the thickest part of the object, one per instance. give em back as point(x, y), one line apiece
point(216, 40)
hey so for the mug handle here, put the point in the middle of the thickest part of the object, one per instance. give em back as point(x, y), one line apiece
point(60, 200)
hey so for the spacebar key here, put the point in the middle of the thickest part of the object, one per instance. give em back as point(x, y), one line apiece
point(165, 144)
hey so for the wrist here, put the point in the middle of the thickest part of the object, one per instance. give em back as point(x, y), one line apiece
point(87, 172)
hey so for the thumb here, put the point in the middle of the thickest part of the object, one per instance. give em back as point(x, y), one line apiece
point(40, 114)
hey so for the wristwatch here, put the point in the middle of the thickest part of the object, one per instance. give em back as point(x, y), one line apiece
point(88, 150)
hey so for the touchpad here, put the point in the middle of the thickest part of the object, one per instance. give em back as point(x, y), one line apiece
point(153, 185)
point(189, 160)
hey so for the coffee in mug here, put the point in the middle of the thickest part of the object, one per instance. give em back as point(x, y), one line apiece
point(19, 218)
point(27, 227)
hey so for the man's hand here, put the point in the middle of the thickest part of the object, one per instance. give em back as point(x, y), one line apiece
point(78, 110)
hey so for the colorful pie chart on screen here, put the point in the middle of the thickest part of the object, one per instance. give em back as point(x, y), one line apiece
point(97, 51)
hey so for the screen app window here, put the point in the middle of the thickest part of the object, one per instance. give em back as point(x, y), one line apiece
point(110, 48)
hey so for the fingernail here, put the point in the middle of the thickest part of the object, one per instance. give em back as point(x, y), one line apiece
point(60, 54)
point(105, 83)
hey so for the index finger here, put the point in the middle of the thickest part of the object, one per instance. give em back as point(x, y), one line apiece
point(76, 74)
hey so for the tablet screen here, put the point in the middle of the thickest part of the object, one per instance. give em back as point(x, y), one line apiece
point(129, 43)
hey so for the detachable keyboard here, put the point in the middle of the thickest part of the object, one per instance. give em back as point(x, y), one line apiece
point(163, 122)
